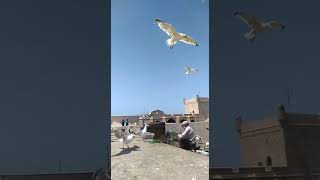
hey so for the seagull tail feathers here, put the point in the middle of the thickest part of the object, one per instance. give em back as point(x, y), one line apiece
point(250, 36)
point(169, 43)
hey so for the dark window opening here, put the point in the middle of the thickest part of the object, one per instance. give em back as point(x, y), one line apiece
point(171, 121)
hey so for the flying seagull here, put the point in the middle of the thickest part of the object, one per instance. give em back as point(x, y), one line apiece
point(174, 35)
point(189, 70)
point(257, 26)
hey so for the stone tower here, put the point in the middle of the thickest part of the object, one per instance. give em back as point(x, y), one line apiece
point(197, 105)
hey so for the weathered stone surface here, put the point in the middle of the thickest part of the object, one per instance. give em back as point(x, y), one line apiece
point(149, 161)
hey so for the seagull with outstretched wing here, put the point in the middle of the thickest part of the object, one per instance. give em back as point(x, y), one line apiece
point(189, 70)
point(257, 26)
point(174, 35)
point(124, 137)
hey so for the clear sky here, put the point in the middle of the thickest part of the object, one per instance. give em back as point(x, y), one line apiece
point(252, 79)
point(145, 73)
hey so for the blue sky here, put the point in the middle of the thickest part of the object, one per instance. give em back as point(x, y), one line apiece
point(145, 73)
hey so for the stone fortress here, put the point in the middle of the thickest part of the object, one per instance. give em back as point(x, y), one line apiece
point(283, 140)
point(283, 146)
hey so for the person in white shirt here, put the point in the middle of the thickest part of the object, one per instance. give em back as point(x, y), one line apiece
point(186, 137)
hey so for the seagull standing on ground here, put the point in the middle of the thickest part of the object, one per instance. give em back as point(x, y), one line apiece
point(174, 35)
point(124, 137)
point(143, 131)
point(189, 70)
point(257, 26)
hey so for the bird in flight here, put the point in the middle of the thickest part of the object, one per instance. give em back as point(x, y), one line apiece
point(189, 70)
point(257, 26)
point(174, 35)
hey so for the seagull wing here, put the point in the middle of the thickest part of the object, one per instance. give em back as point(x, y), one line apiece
point(167, 28)
point(187, 70)
point(194, 69)
point(189, 40)
point(118, 133)
point(275, 25)
point(248, 19)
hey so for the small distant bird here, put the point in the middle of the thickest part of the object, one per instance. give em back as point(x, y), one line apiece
point(174, 35)
point(257, 26)
point(189, 70)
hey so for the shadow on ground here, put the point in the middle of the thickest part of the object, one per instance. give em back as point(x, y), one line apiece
point(127, 150)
